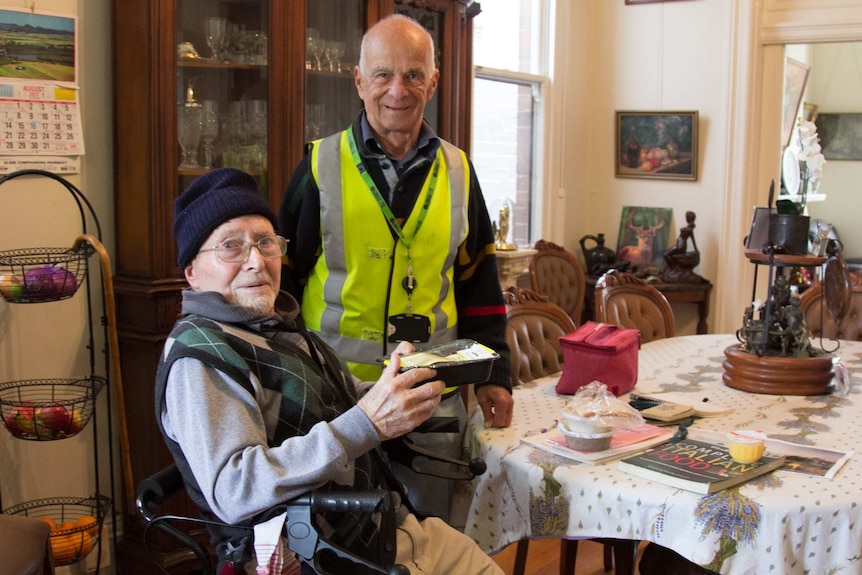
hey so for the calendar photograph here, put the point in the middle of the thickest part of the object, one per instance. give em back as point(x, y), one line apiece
point(37, 47)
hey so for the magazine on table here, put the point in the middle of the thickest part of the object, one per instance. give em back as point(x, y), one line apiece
point(803, 459)
point(624, 442)
point(698, 465)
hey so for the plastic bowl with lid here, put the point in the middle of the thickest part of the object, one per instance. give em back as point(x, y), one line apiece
point(587, 441)
point(746, 445)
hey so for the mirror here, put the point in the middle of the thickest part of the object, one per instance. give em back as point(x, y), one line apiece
point(834, 86)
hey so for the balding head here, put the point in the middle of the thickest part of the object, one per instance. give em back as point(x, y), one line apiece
point(400, 29)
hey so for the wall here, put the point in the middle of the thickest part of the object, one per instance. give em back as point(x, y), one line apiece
point(45, 341)
point(652, 57)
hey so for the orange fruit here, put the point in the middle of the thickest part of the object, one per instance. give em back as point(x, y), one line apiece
point(63, 549)
point(66, 549)
point(51, 523)
point(67, 525)
point(84, 543)
point(89, 524)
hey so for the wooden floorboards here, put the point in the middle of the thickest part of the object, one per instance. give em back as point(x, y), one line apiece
point(544, 558)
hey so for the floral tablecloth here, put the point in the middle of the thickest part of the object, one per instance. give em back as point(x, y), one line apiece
point(780, 523)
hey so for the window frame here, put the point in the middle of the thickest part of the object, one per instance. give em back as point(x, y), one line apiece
point(540, 86)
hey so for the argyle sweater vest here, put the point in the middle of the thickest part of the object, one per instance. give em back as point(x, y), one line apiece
point(308, 397)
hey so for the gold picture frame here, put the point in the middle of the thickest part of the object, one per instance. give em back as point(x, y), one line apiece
point(656, 145)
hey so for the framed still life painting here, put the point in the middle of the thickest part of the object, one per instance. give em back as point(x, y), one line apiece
point(840, 136)
point(644, 236)
point(659, 145)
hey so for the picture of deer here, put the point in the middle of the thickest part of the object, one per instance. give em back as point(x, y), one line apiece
point(643, 235)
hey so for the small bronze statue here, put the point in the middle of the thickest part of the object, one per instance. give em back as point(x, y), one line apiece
point(501, 233)
point(680, 261)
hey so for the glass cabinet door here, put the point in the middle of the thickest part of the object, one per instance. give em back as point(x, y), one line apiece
point(432, 20)
point(333, 35)
point(222, 90)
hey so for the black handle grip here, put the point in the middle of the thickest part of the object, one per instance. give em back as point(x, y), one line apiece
point(153, 490)
point(358, 501)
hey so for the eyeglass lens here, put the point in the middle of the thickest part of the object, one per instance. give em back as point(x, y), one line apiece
point(233, 251)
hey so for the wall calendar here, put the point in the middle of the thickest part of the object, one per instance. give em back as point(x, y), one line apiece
point(49, 123)
point(40, 123)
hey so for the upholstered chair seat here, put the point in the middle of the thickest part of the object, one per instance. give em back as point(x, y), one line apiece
point(535, 326)
point(625, 300)
point(555, 272)
point(821, 323)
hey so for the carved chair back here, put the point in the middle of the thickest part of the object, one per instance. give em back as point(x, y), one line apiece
point(628, 301)
point(533, 332)
point(555, 272)
point(820, 321)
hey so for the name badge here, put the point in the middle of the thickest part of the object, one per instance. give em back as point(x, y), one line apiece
point(409, 327)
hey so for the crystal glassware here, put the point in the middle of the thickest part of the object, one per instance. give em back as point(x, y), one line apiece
point(317, 45)
point(190, 126)
point(209, 129)
point(216, 31)
point(335, 51)
point(311, 36)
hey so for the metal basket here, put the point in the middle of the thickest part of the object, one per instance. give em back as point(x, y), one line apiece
point(48, 409)
point(37, 275)
point(76, 523)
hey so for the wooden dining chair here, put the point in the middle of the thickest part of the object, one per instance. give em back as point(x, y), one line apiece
point(555, 272)
point(821, 323)
point(625, 300)
point(533, 331)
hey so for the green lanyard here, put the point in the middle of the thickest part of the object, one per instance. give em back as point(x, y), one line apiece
point(409, 282)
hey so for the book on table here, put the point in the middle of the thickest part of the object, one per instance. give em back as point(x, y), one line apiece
point(698, 465)
point(624, 442)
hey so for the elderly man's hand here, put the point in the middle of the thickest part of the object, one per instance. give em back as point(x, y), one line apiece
point(394, 406)
point(497, 404)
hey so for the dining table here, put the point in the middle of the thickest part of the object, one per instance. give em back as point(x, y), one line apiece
point(782, 522)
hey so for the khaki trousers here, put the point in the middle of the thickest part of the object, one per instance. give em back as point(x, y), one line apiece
point(431, 547)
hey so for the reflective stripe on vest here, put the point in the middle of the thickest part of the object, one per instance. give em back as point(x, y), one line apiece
point(344, 300)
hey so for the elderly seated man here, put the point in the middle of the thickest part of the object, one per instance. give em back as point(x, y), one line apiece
point(256, 410)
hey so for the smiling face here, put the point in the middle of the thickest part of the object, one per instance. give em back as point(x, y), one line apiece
point(395, 78)
point(252, 284)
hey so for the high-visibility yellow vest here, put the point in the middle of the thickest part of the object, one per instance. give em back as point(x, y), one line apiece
point(361, 267)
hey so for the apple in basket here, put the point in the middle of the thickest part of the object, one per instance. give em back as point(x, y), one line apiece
point(11, 288)
point(19, 420)
point(54, 417)
point(76, 422)
point(48, 282)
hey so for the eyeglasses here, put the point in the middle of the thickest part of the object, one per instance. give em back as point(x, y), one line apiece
point(235, 250)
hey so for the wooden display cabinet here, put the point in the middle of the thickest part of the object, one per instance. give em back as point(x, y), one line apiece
point(271, 96)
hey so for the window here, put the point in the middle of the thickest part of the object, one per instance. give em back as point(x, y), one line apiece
point(510, 77)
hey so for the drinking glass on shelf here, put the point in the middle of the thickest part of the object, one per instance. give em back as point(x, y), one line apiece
point(335, 48)
point(189, 126)
point(209, 129)
point(311, 36)
point(317, 46)
point(216, 31)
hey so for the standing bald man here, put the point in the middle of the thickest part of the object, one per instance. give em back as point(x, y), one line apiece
point(390, 239)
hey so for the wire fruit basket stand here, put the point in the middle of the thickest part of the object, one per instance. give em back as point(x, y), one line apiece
point(52, 409)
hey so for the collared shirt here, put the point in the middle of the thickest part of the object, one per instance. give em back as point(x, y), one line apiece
point(392, 168)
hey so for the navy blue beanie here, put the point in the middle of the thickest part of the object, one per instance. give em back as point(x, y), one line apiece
point(211, 200)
